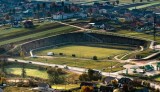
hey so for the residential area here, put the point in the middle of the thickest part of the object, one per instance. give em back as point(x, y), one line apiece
point(79, 46)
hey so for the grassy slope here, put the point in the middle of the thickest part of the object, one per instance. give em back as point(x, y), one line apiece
point(41, 34)
point(36, 35)
point(84, 51)
point(138, 35)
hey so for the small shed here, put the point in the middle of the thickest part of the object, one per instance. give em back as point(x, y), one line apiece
point(50, 54)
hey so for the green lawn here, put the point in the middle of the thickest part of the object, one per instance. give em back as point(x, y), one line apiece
point(83, 63)
point(157, 79)
point(66, 87)
point(31, 70)
point(83, 51)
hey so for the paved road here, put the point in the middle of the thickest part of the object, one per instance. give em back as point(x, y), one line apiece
point(77, 70)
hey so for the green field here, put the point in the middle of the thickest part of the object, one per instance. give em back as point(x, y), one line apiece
point(31, 70)
point(83, 51)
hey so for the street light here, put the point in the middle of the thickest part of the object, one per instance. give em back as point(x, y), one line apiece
point(154, 27)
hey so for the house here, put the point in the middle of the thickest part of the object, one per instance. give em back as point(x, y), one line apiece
point(16, 24)
point(62, 16)
point(109, 79)
point(28, 24)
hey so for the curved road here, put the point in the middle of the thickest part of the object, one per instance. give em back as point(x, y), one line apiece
point(78, 70)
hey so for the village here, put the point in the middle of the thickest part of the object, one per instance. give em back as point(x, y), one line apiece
point(79, 46)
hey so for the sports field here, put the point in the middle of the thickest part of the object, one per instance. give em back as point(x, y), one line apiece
point(83, 51)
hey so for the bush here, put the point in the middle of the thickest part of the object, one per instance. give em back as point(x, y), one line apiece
point(61, 54)
point(60, 71)
point(95, 58)
point(84, 77)
point(41, 68)
point(73, 55)
point(87, 89)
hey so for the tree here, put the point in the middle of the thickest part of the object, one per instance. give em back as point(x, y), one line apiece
point(23, 74)
point(44, 9)
point(94, 75)
point(84, 77)
point(87, 89)
point(95, 58)
point(141, 0)
point(38, 8)
point(54, 76)
point(73, 55)
point(117, 1)
point(3, 63)
point(133, 1)
point(93, 20)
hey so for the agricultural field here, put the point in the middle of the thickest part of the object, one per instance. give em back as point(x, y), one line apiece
point(82, 63)
point(83, 51)
point(42, 30)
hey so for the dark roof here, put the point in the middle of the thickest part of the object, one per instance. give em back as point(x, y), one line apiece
point(124, 80)
point(42, 85)
point(109, 79)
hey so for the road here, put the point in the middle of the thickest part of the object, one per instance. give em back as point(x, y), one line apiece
point(78, 70)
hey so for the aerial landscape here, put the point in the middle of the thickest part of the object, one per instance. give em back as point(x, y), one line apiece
point(79, 45)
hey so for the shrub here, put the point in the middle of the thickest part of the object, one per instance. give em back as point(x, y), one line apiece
point(87, 89)
point(60, 71)
point(73, 55)
point(84, 77)
point(61, 54)
point(95, 58)
point(41, 68)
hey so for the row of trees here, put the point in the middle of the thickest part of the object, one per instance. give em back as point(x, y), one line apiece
point(56, 75)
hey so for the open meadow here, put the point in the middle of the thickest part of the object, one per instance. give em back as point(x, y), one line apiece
point(83, 51)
